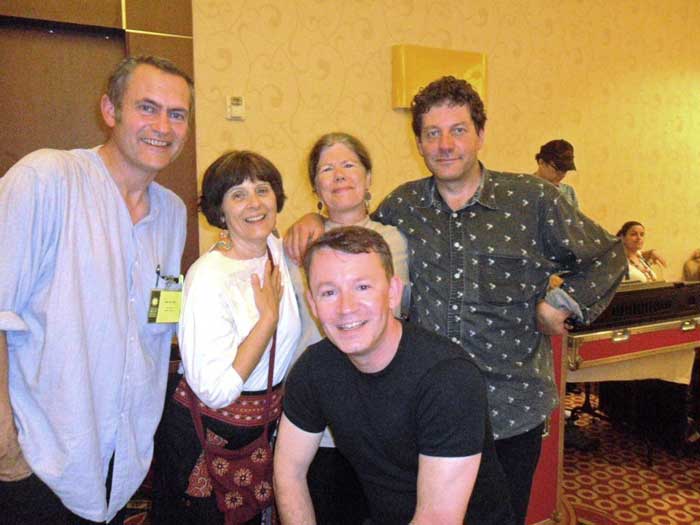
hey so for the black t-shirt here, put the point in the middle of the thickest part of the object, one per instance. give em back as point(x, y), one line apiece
point(430, 400)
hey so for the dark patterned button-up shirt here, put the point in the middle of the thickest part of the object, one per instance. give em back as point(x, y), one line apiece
point(477, 275)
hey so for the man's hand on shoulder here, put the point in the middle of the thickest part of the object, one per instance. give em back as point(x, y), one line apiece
point(301, 234)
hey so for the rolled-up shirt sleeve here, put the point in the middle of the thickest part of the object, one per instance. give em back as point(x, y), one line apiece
point(594, 258)
point(209, 339)
point(28, 237)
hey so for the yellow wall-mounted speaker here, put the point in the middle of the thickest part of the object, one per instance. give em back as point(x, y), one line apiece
point(414, 67)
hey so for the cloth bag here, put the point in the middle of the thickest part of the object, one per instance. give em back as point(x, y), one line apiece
point(241, 478)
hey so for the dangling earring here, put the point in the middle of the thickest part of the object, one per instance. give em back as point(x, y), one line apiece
point(368, 197)
point(225, 243)
point(319, 206)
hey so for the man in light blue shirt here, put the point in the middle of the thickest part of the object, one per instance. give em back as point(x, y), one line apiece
point(85, 235)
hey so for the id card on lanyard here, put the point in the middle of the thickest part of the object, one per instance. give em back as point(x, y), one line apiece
point(164, 305)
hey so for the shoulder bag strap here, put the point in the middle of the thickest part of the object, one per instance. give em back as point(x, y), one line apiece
point(194, 400)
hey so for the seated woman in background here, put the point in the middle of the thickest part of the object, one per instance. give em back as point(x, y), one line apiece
point(639, 262)
point(339, 168)
point(238, 310)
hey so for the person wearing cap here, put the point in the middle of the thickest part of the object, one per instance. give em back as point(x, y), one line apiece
point(554, 161)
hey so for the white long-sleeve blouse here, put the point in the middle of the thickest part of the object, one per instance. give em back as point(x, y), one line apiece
point(218, 312)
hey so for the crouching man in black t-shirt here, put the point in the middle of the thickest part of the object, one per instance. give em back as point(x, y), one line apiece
point(406, 407)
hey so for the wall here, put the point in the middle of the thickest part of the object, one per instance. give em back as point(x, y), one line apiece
point(620, 80)
point(60, 55)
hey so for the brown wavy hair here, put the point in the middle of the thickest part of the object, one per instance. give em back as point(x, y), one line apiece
point(447, 90)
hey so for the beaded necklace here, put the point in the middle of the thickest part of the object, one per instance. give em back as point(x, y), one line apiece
point(641, 265)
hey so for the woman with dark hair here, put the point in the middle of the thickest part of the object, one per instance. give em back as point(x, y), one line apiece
point(639, 263)
point(239, 328)
point(340, 171)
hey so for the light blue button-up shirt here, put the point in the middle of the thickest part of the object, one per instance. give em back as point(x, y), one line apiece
point(87, 373)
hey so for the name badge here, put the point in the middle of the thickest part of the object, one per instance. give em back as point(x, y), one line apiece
point(164, 306)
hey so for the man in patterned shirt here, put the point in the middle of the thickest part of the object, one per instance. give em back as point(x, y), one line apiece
point(482, 245)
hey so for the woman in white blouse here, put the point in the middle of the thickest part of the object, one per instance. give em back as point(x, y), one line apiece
point(234, 300)
point(340, 172)
point(639, 263)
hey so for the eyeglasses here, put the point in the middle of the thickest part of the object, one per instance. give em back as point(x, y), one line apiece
point(557, 168)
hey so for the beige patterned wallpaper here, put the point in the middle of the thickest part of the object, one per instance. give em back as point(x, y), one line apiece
point(620, 79)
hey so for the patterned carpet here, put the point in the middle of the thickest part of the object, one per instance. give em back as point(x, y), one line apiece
point(615, 485)
point(610, 486)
